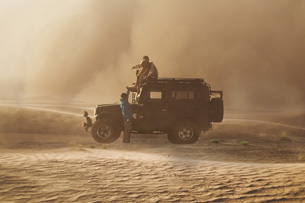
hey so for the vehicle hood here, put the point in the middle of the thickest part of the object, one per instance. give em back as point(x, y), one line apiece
point(114, 108)
point(108, 105)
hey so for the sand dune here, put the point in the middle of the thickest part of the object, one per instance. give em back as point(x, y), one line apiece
point(264, 122)
point(46, 157)
point(101, 175)
point(61, 109)
point(42, 121)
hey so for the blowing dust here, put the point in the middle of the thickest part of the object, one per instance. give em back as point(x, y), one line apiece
point(84, 50)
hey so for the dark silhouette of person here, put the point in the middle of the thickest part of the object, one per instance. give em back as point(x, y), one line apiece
point(127, 116)
point(87, 124)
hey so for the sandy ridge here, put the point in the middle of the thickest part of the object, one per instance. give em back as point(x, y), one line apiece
point(115, 176)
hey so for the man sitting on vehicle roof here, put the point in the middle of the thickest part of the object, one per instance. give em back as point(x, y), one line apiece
point(153, 72)
point(146, 72)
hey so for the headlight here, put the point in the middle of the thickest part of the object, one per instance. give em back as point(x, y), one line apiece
point(95, 112)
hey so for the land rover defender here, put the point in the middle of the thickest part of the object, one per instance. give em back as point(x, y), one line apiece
point(181, 108)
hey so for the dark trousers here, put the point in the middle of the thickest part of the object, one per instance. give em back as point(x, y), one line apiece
point(127, 130)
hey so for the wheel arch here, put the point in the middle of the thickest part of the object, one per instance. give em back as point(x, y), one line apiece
point(117, 118)
point(188, 119)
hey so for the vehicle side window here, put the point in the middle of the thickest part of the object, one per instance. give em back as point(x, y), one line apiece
point(183, 95)
point(155, 95)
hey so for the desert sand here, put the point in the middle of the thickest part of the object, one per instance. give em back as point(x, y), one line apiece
point(46, 157)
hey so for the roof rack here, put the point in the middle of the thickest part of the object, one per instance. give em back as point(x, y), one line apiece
point(185, 81)
point(181, 81)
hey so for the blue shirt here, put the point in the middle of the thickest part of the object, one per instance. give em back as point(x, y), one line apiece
point(126, 108)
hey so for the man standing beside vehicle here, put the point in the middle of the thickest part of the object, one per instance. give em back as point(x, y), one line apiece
point(127, 116)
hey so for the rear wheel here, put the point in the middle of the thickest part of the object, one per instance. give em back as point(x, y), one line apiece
point(104, 131)
point(184, 133)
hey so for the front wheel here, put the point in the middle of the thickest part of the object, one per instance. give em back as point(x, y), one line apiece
point(184, 133)
point(104, 131)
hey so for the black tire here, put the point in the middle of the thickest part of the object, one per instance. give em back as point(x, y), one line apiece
point(184, 133)
point(216, 113)
point(104, 131)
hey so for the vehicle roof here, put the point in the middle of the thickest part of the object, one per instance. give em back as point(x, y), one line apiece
point(180, 81)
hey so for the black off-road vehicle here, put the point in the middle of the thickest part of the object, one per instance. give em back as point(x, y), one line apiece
point(182, 108)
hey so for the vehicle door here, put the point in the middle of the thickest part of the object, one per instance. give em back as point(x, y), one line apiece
point(185, 102)
point(153, 108)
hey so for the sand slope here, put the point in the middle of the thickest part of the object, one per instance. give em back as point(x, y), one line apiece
point(99, 175)
point(55, 161)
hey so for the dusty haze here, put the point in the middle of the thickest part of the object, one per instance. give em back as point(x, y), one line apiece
point(252, 50)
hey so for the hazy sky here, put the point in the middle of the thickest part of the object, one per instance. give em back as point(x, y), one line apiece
point(253, 50)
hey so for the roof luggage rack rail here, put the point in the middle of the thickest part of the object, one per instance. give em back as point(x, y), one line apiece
point(184, 81)
point(181, 80)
